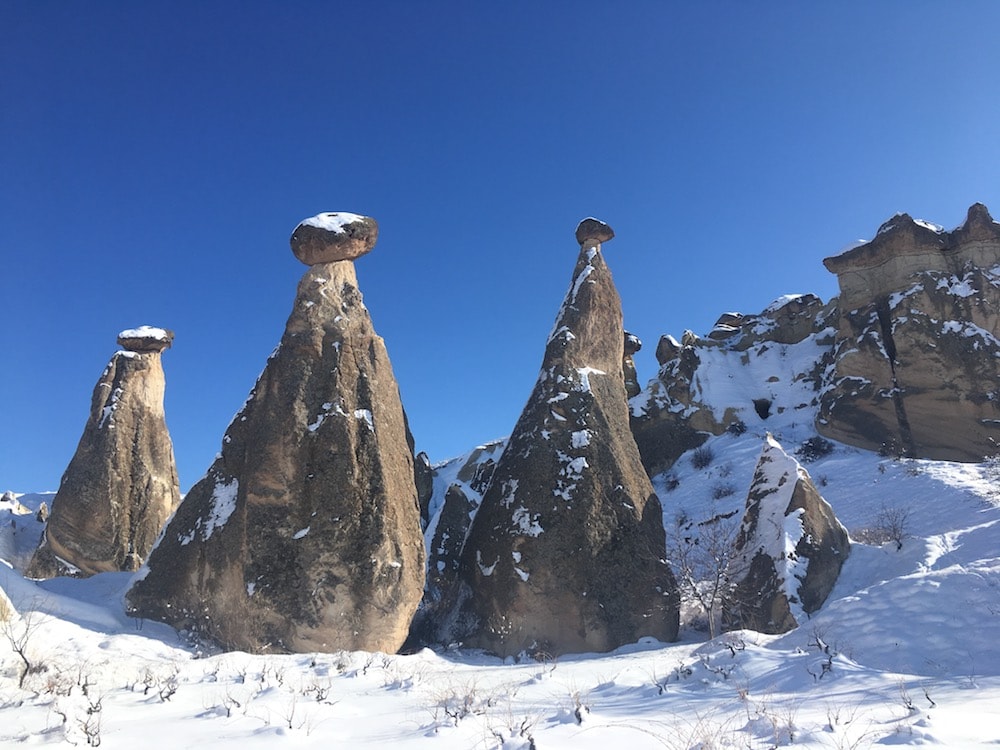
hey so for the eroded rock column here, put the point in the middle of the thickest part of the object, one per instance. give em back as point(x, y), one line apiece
point(304, 535)
point(121, 485)
point(566, 553)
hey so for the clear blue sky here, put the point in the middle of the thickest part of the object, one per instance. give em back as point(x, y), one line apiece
point(155, 157)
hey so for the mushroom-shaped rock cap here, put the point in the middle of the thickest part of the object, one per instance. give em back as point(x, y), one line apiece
point(330, 237)
point(632, 344)
point(145, 339)
point(593, 231)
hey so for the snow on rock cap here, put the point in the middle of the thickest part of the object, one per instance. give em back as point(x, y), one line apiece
point(591, 231)
point(145, 339)
point(333, 236)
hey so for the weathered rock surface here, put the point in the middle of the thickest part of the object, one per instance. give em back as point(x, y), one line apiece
point(738, 375)
point(917, 356)
point(791, 547)
point(145, 339)
point(423, 478)
point(304, 535)
point(121, 485)
point(566, 552)
point(332, 237)
point(458, 490)
point(632, 345)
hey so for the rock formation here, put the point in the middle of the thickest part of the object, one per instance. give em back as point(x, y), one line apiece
point(458, 490)
point(566, 552)
point(791, 547)
point(632, 345)
point(304, 535)
point(423, 478)
point(332, 237)
point(917, 355)
point(739, 375)
point(121, 485)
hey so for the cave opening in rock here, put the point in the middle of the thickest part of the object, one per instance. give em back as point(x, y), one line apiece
point(763, 407)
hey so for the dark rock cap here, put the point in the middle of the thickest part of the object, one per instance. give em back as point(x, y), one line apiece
point(145, 339)
point(978, 226)
point(592, 231)
point(632, 344)
point(332, 237)
point(667, 349)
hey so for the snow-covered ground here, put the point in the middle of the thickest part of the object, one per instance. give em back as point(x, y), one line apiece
point(906, 651)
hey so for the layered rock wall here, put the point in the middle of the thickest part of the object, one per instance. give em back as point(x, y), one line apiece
point(917, 357)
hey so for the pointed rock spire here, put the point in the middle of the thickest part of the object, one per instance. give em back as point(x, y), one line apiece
point(121, 485)
point(304, 535)
point(566, 552)
point(791, 547)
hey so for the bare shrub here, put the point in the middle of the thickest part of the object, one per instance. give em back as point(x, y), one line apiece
point(889, 524)
point(723, 489)
point(814, 448)
point(19, 632)
point(737, 428)
point(706, 564)
point(702, 457)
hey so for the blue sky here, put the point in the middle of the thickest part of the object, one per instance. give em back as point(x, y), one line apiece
point(155, 157)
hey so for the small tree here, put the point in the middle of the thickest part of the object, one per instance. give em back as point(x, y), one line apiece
point(19, 632)
point(705, 562)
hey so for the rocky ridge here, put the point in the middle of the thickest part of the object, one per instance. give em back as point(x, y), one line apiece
point(903, 362)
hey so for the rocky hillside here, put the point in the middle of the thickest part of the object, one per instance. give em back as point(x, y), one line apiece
point(905, 361)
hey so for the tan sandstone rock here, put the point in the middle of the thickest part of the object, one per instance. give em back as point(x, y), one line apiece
point(566, 552)
point(304, 535)
point(121, 485)
point(791, 548)
point(917, 355)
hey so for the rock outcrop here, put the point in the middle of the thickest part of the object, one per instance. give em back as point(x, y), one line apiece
point(917, 356)
point(121, 485)
point(566, 552)
point(791, 547)
point(632, 345)
point(739, 375)
point(304, 535)
point(458, 490)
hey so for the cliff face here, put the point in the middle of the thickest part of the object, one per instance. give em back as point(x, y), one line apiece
point(917, 354)
point(904, 361)
point(304, 535)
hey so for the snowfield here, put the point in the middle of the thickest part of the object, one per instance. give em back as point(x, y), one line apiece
point(906, 651)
